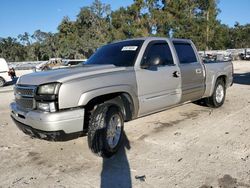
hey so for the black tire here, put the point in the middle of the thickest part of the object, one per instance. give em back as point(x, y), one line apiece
point(213, 101)
point(98, 130)
point(2, 82)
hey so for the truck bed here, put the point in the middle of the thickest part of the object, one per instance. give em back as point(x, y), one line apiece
point(213, 70)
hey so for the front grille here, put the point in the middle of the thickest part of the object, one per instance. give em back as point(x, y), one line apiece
point(25, 90)
point(25, 103)
point(24, 96)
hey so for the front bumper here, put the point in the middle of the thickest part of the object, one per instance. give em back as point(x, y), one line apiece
point(57, 126)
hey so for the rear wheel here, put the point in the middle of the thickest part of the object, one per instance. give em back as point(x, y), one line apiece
point(218, 97)
point(105, 130)
point(2, 82)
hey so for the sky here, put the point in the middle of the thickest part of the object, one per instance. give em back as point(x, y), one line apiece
point(19, 16)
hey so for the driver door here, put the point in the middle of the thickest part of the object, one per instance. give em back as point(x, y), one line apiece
point(159, 82)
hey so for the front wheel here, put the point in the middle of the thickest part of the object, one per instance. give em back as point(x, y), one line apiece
point(218, 97)
point(105, 130)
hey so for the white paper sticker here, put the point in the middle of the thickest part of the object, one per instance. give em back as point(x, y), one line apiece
point(129, 48)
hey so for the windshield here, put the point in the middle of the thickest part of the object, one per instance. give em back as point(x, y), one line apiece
point(119, 54)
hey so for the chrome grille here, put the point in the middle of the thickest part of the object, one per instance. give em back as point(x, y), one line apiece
point(25, 91)
point(24, 96)
point(26, 103)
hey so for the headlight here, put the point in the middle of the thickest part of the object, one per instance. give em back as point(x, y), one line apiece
point(47, 97)
point(48, 89)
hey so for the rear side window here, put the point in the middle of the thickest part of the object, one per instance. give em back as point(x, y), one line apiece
point(160, 50)
point(185, 53)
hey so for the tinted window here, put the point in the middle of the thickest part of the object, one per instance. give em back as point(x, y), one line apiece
point(73, 62)
point(118, 54)
point(161, 51)
point(185, 53)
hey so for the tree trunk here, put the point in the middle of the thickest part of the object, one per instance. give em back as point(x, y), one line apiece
point(207, 31)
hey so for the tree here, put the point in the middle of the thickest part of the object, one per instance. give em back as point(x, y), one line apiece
point(39, 38)
point(68, 39)
point(93, 27)
point(130, 22)
point(209, 12)
point(240, 36)
point(12, 50)
point(25, 39)
point(96, 25)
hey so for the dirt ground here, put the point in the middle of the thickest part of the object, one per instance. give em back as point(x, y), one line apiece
point(188, 146)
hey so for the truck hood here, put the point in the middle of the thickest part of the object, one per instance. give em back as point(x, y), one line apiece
point(67, 74)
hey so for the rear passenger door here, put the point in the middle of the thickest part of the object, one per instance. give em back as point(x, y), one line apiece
point(192, 71)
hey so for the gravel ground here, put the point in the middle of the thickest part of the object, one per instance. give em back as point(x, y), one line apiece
point(187, 146)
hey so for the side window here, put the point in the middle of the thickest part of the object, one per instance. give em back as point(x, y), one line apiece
point(161, 51)
point(185, 53)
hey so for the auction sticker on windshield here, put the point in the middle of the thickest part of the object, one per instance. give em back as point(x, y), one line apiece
point(129, 48)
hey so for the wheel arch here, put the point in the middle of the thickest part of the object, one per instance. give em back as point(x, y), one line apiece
point(4, 81)
point(211, 101)
point(124, 100)
point(210, 90)
point(223, 78)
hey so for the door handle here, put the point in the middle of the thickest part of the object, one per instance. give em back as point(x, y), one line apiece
point(176, 74)
point(198, 71)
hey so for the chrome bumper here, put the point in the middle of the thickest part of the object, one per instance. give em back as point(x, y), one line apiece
point(68, 121)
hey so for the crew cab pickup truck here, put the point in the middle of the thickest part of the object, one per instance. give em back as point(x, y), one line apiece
point(121, 81)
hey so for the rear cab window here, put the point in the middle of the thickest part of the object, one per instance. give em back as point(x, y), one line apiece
point(185, 52)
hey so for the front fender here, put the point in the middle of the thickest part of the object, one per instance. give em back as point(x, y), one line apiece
point(89, 95)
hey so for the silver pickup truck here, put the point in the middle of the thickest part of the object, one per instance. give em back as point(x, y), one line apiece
point(120, 82)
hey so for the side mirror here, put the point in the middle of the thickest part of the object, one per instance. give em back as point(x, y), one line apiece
point(155, 61)
point(152, 62)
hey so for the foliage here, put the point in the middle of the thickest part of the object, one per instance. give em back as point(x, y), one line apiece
point(12, 50)
point(97, 25)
